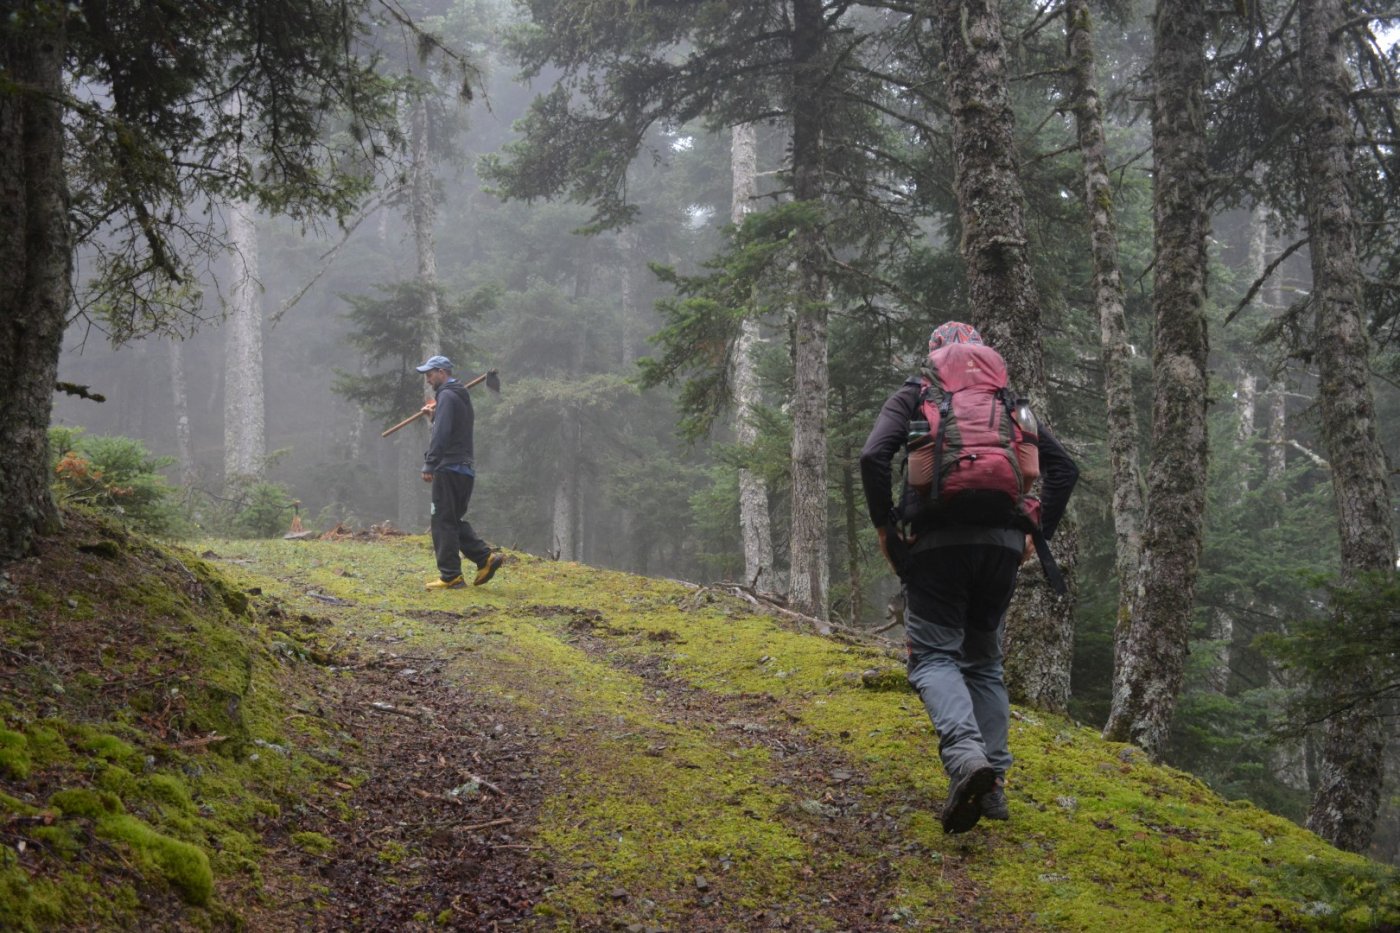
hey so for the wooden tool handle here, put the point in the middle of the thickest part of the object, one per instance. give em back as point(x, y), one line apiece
point(404, 423)
point(415, 416)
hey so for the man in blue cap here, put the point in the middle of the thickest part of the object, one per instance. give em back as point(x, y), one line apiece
point(447, 464)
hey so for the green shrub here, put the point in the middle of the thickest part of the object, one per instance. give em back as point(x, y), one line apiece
point(266, 511)
point(115, 475)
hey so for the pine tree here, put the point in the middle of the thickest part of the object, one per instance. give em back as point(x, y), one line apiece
point(1344, 809)
point(139, 157)
point(1147, 682)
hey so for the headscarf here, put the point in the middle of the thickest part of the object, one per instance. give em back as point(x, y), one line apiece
point(952, 332)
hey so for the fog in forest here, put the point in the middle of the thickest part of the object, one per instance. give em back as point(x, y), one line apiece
point(578, 460)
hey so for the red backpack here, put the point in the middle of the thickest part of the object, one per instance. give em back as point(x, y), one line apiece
point(977, 459)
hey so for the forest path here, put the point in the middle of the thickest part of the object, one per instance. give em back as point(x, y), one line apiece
point(573, 748)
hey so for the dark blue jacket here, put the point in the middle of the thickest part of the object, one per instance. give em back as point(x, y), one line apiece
point(451, 440)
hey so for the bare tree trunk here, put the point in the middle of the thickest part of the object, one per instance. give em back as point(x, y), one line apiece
point(1148, 681)
point(1126, 476)
point(810, 571)
point(423, 217)
point(566, 488)
point(1005, 307)
point(853, 516)
point(359, 423)
point(180, 398)
point(627, 294)
point(245, 443)
point(413, 493)
point(1246, 399)
point(1276, 462)
point(1344, 808)
point(753, 491)
point(35, 289)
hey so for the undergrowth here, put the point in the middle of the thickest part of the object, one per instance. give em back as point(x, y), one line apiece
point(703, 764)
point(137, 693)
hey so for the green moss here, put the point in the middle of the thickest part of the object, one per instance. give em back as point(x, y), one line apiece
point(184, 866)
point(169, 790)
point(110, 748)
point(118, 780)
point(81, 801)
point(315, 843)
point(62, 839)
point(1098, 837)
point(28, 903)
point(392, 853)
point(47, 747)
point(14, 755)
point(10, 804)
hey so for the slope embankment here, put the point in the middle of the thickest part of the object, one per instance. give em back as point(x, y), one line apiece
point(565, 748)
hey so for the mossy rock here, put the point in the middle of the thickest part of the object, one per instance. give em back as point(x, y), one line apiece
point(84, 802)
point(110, 748)
point(184, 866)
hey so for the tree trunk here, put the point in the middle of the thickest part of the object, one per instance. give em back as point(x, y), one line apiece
point(753, 491)
point(180, 398)
point(245, 444)
point(627, 295)
point(423, 217)
point(1276, 462)
point(1344, 808)
point(565, 539)
point(413, 494)
point(35, 288)
point(1126, 477)
point(358, 428)
point(1005, 308)
point(1148, 680)
point(809, 561)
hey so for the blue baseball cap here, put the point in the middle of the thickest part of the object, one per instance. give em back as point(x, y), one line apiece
point(436, 362)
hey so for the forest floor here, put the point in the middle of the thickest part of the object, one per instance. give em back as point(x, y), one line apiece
point(446, 817)
point(297, 735)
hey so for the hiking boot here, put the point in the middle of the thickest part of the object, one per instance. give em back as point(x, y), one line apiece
point(488, 570)
point(964, 805)
point(994, 806)
point(456, 583)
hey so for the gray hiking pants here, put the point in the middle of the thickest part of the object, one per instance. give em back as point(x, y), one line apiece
point(956, 600)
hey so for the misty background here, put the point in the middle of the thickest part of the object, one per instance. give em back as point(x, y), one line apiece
point(576, 460)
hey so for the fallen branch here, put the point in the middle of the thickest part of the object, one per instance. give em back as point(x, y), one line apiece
point(503, 821)
point(422, 715)
point(200, 741)
point(485, 783)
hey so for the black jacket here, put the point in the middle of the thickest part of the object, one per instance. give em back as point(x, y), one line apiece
point(451, 440)
point(1058, 473)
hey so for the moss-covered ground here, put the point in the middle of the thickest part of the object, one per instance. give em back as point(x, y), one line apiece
point(635, 754)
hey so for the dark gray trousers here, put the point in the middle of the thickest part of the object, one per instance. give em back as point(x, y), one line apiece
point(956, 605)
point(452, 533)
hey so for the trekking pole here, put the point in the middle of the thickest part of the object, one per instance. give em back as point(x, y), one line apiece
point(492, 380)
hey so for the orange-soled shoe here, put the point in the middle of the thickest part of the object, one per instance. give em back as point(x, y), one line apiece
point(456, 583)
point(488, 570)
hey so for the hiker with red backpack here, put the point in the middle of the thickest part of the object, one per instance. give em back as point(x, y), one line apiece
point(964, 523)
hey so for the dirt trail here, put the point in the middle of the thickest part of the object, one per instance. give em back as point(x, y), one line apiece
point(433, 830)
point(521, 764)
